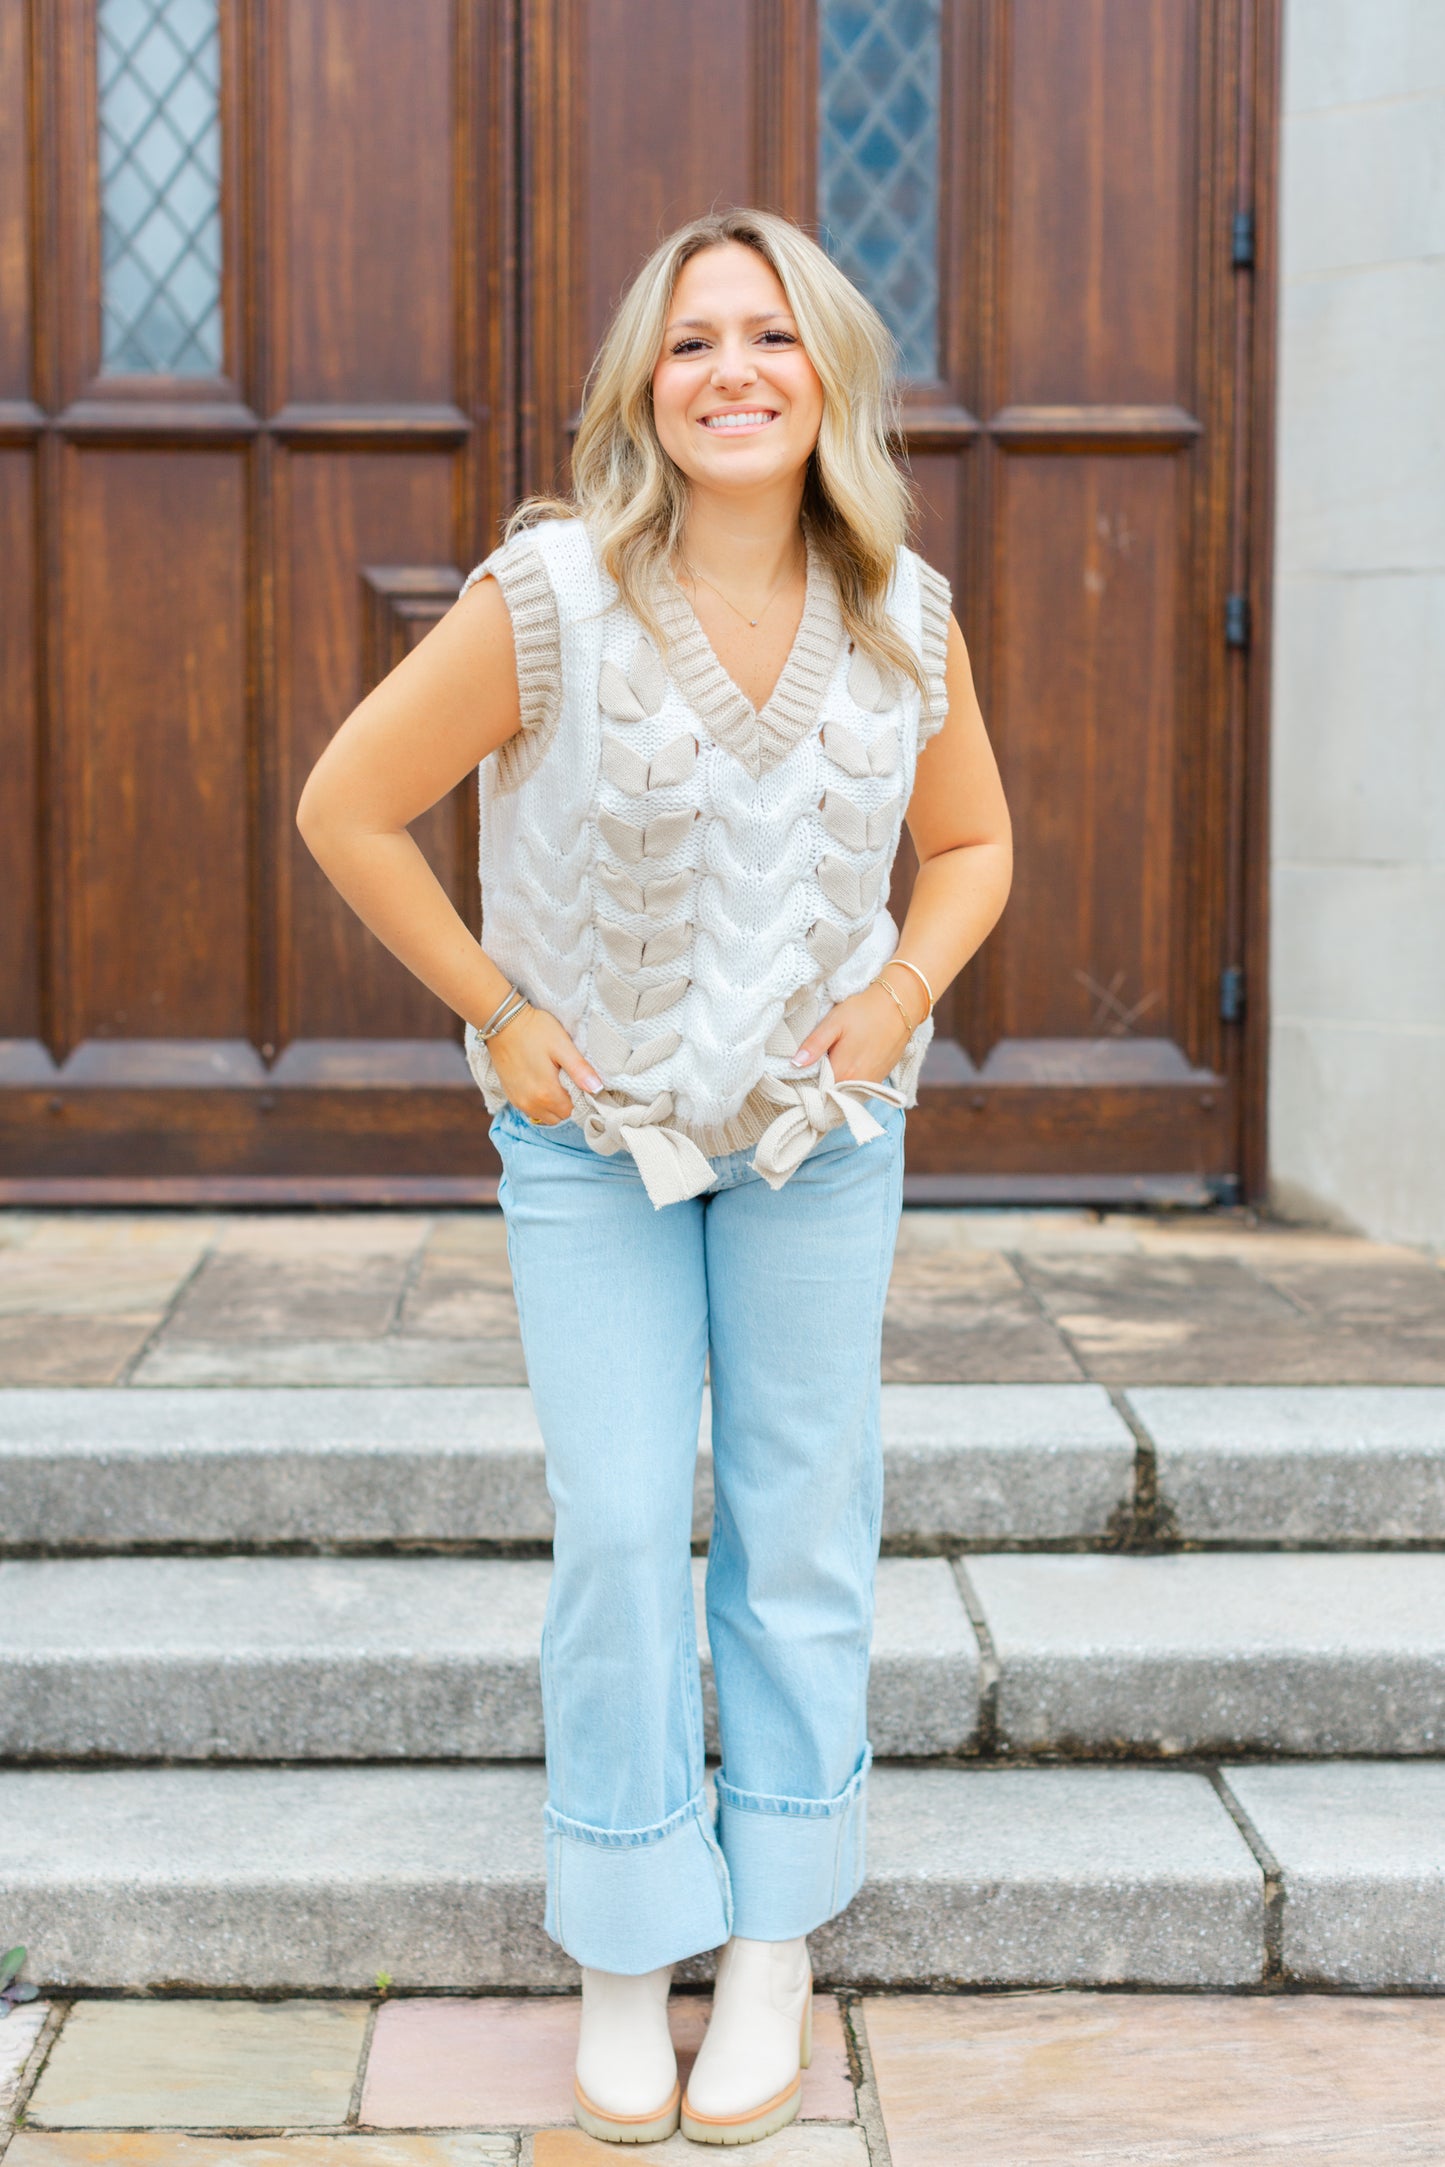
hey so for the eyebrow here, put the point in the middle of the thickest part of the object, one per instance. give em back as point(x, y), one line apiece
point(705, 323)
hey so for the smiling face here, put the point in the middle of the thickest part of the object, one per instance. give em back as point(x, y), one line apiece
point(737, 402)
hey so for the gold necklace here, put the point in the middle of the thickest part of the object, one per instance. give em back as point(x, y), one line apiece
point(694, 574)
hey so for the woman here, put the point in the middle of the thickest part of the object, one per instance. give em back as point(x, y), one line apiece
point(699, 695)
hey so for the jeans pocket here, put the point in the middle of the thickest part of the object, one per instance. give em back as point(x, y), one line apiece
point(512, 1120)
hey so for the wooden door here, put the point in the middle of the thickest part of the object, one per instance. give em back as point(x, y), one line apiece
point(209, 559)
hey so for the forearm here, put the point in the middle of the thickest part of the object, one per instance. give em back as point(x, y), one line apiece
point(958, 897)
point(392, 889)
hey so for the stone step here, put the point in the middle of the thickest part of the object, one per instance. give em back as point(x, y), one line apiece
point(117, 1469)
point(1302, 1652)
point(266, 1658)
point(321, 1878)
point(1299, 1463)
point(318, 1879)
point(273, 1658)
point(967, 1464)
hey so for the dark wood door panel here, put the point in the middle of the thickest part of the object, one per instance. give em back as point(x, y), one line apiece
point(1086, 701)
point(363, 101)
point(668, 134)
point(20, 826)
point(1099, 118)
point(16, 230)
point(151, 793)
point(338, 513)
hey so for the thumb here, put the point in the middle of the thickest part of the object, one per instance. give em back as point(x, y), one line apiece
point(575, 1064)
point(819, 1040)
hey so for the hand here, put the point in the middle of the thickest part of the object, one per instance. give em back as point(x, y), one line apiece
point(863, 1036)
point(528, 1054)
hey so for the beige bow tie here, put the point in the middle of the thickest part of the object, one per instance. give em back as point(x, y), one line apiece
point(808, 1112)
point(671, 1165)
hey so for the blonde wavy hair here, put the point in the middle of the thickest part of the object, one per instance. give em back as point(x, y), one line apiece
point(856, 503)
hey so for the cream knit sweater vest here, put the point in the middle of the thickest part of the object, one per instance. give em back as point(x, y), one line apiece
point(687, 883)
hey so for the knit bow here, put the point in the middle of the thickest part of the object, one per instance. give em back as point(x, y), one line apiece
point(671, 1166)
point(809, 1112)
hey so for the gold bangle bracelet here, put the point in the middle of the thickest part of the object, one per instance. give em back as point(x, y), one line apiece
point(903, 1012)
point(904, 964)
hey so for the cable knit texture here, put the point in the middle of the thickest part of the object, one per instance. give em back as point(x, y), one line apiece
point(689, 883)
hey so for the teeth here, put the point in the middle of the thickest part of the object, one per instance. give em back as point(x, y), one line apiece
point(736, 421)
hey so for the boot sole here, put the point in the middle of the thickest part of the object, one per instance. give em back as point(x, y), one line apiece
point(773, 2115)
point(626, 2128)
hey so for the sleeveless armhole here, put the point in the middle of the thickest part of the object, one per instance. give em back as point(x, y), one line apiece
point(521, 573)
point(936, 597)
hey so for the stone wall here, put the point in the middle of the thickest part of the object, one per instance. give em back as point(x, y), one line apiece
point(1357, 1096)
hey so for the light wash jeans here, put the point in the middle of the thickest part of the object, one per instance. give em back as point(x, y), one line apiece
point(619, 1305)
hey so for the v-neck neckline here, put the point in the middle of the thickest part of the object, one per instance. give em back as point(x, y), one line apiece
point(759, 738)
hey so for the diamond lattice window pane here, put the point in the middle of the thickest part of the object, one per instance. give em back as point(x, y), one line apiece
point(159, 77)
point(879, 69)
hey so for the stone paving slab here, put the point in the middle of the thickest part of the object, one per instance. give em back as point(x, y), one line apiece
point(202, 2065)
point(1218, 1651)
point(257, 1466)
point(1299, 1463)
point(457, 2063)
point(118, 2148)
point(1177, 1318)
point(1040, 2080)
point(18, 2034)
point(955, 1314)
point(254, 1658)
point(66, 1351)
point(302, 1879)
point(1044, 1875)
point(325, 1277)
point(116, 1265)
point(1361, 1846)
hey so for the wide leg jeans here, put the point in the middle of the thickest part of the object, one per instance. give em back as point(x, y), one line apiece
point(782, 1292)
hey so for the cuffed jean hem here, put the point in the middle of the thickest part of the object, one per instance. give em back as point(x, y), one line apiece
point(633, 1899)
point(793, 1862)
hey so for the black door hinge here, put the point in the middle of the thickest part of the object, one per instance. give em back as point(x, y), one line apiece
point(1242, 246)
point(1236, 620)
point(1231, 995)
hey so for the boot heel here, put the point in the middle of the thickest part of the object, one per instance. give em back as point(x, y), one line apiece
point(805, 2054)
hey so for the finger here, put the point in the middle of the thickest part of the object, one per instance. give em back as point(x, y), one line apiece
point(580, 1069)
point(820, 1039)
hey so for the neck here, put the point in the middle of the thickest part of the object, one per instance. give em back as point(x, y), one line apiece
point(745, 544)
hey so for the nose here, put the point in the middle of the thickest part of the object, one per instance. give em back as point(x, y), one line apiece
point(733, 366)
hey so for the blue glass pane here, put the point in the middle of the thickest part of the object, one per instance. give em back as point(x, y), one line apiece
point(879, 69)
point(159, 73)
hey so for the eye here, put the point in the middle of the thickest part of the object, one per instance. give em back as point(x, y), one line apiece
point(687, 346)
point(788, 338)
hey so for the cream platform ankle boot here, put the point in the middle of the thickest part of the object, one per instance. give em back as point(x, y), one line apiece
point(626, 2087)
point(747, 2079)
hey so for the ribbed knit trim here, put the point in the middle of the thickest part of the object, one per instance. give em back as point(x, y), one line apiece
point(713, 1139)
point(760, 740)
point(521, 574)
point(937, 605)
